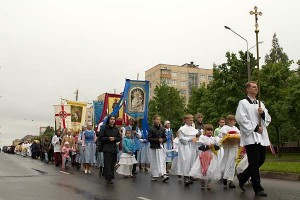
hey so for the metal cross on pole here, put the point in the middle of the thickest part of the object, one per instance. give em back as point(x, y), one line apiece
point(256, 13)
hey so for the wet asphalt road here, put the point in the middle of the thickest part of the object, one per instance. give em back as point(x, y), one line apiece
point(27, 179)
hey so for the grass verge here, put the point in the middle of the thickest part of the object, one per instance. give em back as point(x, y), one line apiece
point(284, 167)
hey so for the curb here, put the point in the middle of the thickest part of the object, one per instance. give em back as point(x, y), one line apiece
point(279, 175)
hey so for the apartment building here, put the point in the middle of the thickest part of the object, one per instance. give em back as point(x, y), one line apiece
point(183, 77)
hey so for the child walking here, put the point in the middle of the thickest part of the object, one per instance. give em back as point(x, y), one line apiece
point(127, 159)
point(157, 137)
point(173, 170)
point(66, 159)
point(187, 150)
point(206, 167)
point(227, 165)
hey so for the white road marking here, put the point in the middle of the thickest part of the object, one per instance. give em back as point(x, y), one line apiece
point(143, 198)
point(64, 172)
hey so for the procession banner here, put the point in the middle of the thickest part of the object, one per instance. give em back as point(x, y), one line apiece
point(62, 116)
point(78, 113)
point(110, 104)
point(98, 109)
point(135, 98)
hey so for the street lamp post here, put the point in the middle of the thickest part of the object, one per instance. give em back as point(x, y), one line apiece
point(248, 57)
point(260, 42)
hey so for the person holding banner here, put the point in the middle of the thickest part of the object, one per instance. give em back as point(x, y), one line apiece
point(253, 119)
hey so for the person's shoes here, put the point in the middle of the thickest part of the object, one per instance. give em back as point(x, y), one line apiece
point(89, 171)
point(208, 187)
point(179, 176)
point(113, 177)
point(193, 179)
point(241, 184)
point(85, 171)
point(146, 169)
point(126, 176)
point(153, 179)
point(186, 182)
point(165, 178)
point(202, 183)
point(224, 181)
point(231, 185)
point(134, 172)
point(261, 193)
point(131, 176)
point(109, 182)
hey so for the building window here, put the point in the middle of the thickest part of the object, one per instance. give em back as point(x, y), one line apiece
point(174, 74)
point(183, 75)
point(183, 83)
point(210, 78)
point(202, 77)
point(173, 82)
point(164, 72)
point(183, 92)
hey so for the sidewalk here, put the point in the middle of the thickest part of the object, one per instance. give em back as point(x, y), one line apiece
point(280, 175)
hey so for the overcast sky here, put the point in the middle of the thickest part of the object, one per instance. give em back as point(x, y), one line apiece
point(48, 49)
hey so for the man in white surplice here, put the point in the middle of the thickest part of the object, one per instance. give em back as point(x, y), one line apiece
point(254, 136)
point(187, 149)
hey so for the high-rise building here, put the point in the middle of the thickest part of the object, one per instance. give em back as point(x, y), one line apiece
point(183, 77)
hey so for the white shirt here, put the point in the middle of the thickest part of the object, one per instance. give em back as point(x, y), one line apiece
point(247, 117)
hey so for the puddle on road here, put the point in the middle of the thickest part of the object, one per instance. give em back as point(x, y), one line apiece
point(85, 194)
point(40, 171)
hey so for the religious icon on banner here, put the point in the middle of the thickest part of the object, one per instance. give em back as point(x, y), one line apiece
point(136, 99)
point(76, 113)
point(112, 103)
point(113, 107)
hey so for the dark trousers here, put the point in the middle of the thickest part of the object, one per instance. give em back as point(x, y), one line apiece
point(256, 157)
point(57, 158)
point(50, 155)
point(134, 165)
point(110, 160)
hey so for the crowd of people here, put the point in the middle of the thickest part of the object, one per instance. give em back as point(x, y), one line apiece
point(196, 151)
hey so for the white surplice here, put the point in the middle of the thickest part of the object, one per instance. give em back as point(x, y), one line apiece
point(227, 165)
point(187, 150)
point(247, 117)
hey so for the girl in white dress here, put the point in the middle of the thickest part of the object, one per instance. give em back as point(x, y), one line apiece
point(206, 166)
point(127, 158)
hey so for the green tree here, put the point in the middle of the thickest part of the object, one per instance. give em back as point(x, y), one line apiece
point(168, 103)
point(294, 112)
point(275, 91)
point(223, 93)
point(49, 132)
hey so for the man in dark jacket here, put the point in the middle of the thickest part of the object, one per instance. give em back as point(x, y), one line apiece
point(157, 137)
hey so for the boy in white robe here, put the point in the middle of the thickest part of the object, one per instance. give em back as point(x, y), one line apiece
point(227, 165)
point(187, 149)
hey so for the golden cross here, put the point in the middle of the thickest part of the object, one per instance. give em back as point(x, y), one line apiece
point(256, 19)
